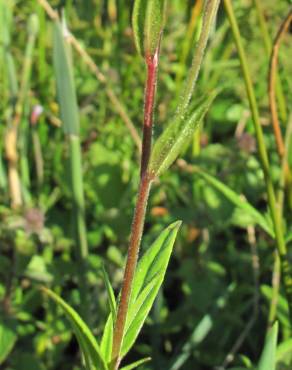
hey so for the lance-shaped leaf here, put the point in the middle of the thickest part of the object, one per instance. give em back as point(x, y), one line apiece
point(147, 19)
point(88, 344)
point(171, 142)
point(135, 364)
point(148, 278)
point(268, 357)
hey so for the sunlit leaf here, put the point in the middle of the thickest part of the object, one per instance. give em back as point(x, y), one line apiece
point(268, 356)
point(135, 364)
point(172, 140)
point(147, 23)
point(147, 281)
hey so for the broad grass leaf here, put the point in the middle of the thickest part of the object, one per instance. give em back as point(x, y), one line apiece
point(148, 278)
point(8, 337)
point(88, 344)
point(172, 140)
point(268, 356)
point(65, 82)
point(135, 364)
point(107, 340)
point(237, 200)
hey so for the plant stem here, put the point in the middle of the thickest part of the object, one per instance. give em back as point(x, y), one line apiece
point(133, 251)
point(152, 65)
point(276, 218)
point(140, 210)
point(268, 46)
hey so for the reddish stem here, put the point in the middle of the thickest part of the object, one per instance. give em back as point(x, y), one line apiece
point(150, 89)
point(140, 210)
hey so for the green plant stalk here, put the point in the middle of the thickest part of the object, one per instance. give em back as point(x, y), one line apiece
point(76, 184)
point(268, 47)
point(78, 196)
point(274, 210)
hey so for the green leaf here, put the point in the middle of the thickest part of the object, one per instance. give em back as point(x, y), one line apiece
point(135, 364)
point(147, 20)
point(65, 82)
point(110, 293)
point(8, 338)
point(282, 305)
point(153, 25)
point(171, 142)
point(107, 340)
point(88, 344)
point(237, 200)
point(138, 16)
point(268, 356)
point(148, 278)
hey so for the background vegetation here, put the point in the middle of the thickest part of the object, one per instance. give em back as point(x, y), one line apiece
point(216, 302)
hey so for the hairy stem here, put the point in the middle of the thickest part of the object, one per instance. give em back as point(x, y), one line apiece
point(133, 251)
point(276, 218)
point(150, 89)
point(140, 210)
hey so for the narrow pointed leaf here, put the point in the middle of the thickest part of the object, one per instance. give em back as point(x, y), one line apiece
point(134, 365)
point(153, 25)
point(65, 82)
point(147, 281)
point(142, 301)
point(238, 201)
point(147, 20)
point(86, 340)
point(154, 259)
point(171, 142)
point(110, 293)
point(268, 356)
point(138, 17)
point(107, 340)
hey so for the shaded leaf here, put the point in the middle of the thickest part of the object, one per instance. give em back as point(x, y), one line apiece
point(110, 293)
point(8, 338)
point(237, 200)
point(86, 340)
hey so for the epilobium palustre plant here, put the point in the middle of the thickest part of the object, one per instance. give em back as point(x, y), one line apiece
point(143, 278)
